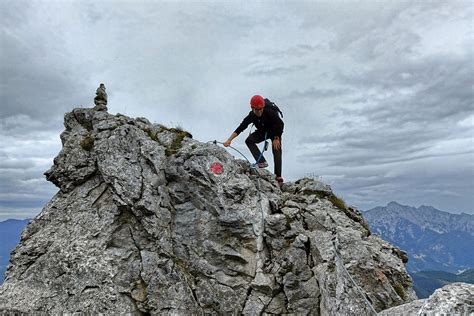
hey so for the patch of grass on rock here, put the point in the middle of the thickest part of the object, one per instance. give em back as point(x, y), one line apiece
point(87, 143)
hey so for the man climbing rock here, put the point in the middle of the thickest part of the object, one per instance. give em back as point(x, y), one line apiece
point(269, 126)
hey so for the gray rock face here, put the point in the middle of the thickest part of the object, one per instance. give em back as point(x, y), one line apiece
point(452, 299)
point(142, 223)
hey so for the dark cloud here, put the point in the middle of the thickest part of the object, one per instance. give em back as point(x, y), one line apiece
point(22, 127)
point(448, 75)
point(411, 184)
point(15, 164)
point(391, 126)
point(21, 191)
point(36, 76)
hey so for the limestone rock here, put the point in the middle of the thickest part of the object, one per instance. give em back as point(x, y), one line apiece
point(452, 299)
point(142, 224)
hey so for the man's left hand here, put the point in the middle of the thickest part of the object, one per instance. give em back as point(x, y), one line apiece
point(276, 144)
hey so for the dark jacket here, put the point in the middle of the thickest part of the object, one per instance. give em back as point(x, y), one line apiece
point(269, 122)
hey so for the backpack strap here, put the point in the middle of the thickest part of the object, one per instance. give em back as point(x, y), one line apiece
point(271, 105)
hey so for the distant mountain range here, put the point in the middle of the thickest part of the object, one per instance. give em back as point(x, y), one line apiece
point(434, 240)
point(426, 282)
point(439, 244)
point(10, 232)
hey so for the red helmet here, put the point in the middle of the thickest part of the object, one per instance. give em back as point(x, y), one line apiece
point(257, 102)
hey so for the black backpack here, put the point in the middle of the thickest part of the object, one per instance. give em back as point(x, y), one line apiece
point(270, 105)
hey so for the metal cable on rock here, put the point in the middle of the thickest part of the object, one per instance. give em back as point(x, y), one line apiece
point(262, 227)
point(260, 204)
point(258, 180)
point(334, 240)
point(215, 142)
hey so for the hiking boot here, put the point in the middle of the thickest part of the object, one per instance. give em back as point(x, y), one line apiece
point(279, 180)
point(262, 164)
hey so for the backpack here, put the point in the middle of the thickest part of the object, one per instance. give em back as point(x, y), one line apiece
point(270, 105)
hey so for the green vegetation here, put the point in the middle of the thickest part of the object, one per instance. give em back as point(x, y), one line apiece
point(87, 125)
point(287, 243)
point(400, 290)
point(87, 143)
point(337, 202)
point(150, 133)
point(289, 220)
point(180, 263)
point(340, 204)
point(176, 144)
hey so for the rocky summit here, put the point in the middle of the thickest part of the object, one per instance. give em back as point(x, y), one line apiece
point(148, 220)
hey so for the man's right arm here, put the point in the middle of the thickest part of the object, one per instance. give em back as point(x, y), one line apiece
point(229, 140)
point(245, 123)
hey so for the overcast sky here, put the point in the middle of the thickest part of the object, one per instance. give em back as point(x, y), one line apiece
point(378, 96)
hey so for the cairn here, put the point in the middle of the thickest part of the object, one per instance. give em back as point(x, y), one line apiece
point(100, 99)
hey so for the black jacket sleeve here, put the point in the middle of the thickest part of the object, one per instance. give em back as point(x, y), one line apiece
point(245, 123)
point(277, 125)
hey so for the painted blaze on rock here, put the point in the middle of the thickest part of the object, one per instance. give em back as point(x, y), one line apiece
point(140, 225)
point(217, 168)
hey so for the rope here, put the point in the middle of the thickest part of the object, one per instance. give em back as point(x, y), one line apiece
point(260, 231)
point(259, 188)
point(349, 275)
point(263, 224)
point(260, 204)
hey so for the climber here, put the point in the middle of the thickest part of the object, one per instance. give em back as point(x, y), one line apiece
point(269, 126)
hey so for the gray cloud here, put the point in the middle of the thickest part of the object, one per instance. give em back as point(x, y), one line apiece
point(414, 182)
point(391, 125)
point(37, 79)
point(377, 96)
point(300, 50)
point(316, 94)
point(274, 71)
point(15, 163)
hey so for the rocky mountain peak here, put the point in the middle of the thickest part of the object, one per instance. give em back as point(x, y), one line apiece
point(149, 220)
point(394, 204)
point(433, 239)
point(424, 216)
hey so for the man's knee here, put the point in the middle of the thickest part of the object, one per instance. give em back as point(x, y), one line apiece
point(249, 141)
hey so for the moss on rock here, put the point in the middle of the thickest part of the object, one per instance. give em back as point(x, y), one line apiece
point(87, 143)
point(177, 142)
